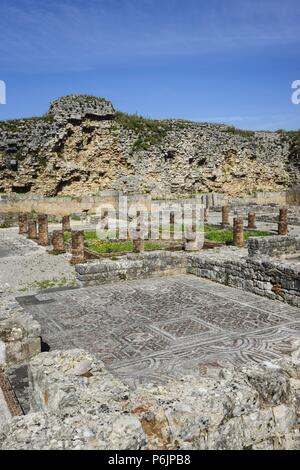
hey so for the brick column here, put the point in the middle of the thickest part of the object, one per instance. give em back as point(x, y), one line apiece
point(77, 247)
point(32, 230)
point(58, 241)
point(238, 232)
point(251, 220)
point(66, 225)
point(283, 221)
point(23, 224)
point(225, 216)
point(43, 238)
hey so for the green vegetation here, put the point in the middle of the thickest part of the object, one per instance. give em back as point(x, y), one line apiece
point(225, 235)
point(49, 283)
point(110, 246)
point(149, 131)
point(13, 125)
point(242, 132)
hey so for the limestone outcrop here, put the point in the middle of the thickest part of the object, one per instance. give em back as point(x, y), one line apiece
point(83, 146)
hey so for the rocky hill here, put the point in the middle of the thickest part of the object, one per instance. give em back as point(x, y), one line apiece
point(82, 145)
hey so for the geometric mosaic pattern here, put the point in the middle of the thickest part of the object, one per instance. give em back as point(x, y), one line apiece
point(150, 330)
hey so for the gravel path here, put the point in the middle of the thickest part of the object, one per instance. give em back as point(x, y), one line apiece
point(26, 266)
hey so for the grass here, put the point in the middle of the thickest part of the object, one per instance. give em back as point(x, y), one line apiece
point(49, 283)
point(149, 131)
point(109, 246)
point(241, 132)
point(225, 235)
point(13, 125)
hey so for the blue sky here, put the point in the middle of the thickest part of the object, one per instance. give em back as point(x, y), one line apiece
point(227, 61)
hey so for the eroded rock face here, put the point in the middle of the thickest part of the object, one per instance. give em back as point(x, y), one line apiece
point(224, 409)
point(83, 146)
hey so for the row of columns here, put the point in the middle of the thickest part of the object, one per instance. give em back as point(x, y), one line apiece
point(282, 223)
point(37, 230)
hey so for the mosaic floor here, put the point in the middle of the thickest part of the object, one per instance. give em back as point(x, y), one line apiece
point(149, 330)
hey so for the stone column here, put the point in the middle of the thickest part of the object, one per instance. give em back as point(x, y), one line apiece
point(172, 225)
point(32, 230)
point(238, 232)
point(23, 224)
point(138, 242)
point(58, 241)
point(43, 238)
point(77, 247)
point(283, 221)
point(191, 242)
point(205, 215)
point(66, 225)
point(225, 216)
point(251, 220)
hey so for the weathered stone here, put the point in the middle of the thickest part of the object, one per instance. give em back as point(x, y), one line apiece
point(225, 216)
point(66, 224)
point(283, 222)
point(77, 247)
point(238, 232)
point(58, 241)
point(23, 224)
point(251, 220)
point(32, 230)
point(43, 237)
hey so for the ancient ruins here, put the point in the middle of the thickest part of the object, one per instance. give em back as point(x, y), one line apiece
point(170, 335)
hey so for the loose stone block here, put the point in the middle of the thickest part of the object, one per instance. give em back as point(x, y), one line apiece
point(66, 225)
point(23, 224)
point(238, 232)
point(251, 220)
point(43, 237)
point(225, 216)
point(283, 221)
point(32, 230)
point(58, 241)
point(77, 247)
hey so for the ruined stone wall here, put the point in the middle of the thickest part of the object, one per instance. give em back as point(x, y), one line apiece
point(263, 275)
point(250, 408)
point(83, 146)
point(141, 266)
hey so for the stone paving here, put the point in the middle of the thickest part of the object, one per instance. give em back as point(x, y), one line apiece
point(150, 330)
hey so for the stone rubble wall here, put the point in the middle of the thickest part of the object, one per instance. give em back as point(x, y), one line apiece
point(77, 404)
point(273, 246)
point(268, 277)
point(19, 332)
point(132, 266)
